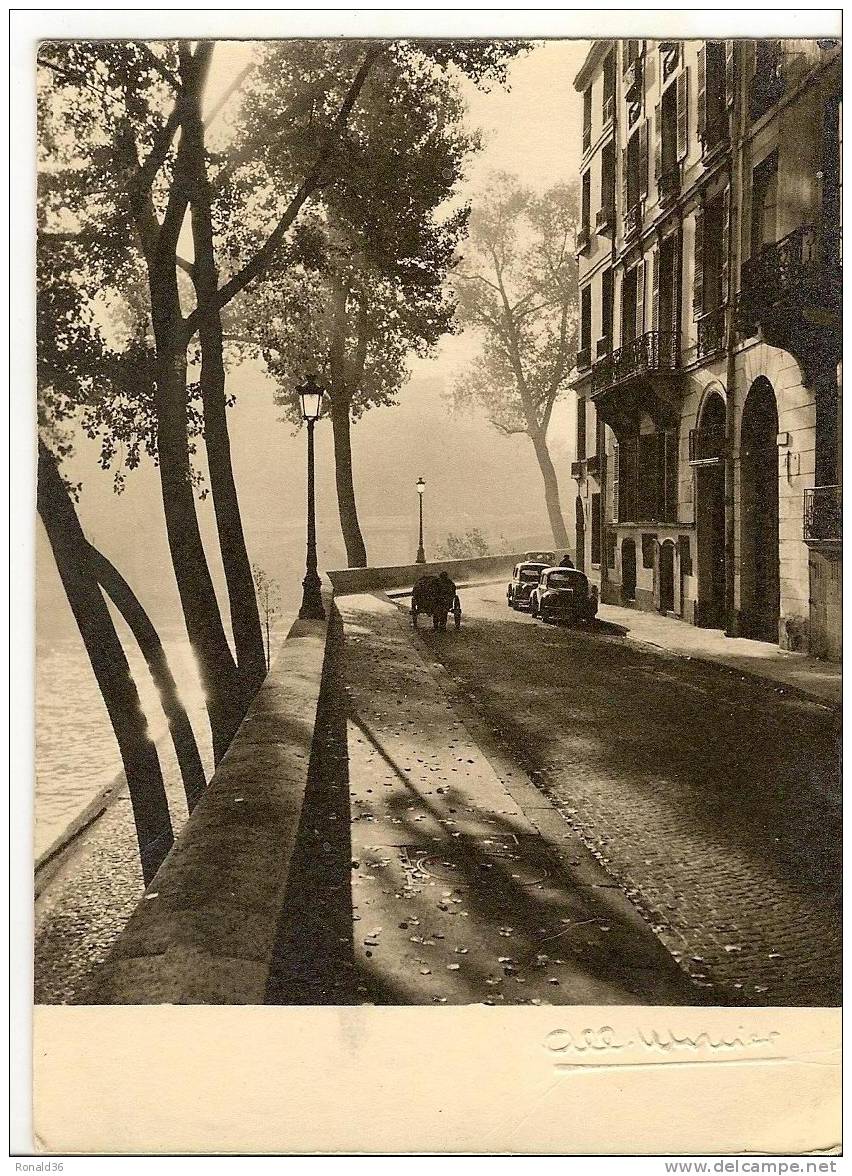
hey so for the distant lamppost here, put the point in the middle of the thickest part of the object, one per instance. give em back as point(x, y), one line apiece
point(310, 395)
point(421, 556)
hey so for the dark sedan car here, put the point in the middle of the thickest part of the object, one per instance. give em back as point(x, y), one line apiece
point(524, 578)
point(564, 594)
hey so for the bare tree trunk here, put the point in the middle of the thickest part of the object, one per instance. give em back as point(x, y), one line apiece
point(356, 551)
point(245, 618)
point(109, 663)
point(551, 489)
point(148, 640)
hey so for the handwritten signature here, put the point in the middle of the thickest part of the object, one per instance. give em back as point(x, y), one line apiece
point(606, 1039)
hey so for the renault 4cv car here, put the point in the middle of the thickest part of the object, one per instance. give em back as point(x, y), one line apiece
point(524, 578)
point(564, 594)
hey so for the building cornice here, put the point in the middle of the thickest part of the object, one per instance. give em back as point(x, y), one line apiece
point(594, 60)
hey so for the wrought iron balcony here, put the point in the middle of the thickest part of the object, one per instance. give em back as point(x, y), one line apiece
point(582, 239)
point(706, 446)
point(823, 515)
point(605, 218)
point(655, 351)
point(787, 275)
point(632, 221)
point(584, 356)
point(632, 76)
point(603, 345)
point(668, 185)
point(711, 332)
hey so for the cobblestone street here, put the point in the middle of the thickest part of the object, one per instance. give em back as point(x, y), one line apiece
point(712, 800)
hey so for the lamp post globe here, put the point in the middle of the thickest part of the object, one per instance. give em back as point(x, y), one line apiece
point(310, 399)
point(421, 555)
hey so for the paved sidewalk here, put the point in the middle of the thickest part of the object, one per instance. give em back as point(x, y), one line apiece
point(467, 886)
point(796, 671)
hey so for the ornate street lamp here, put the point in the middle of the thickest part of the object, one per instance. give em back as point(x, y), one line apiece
point(421, 486)
point(310, 396)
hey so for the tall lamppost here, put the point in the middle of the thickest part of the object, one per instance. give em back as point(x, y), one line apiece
point(421, 556)
point(310, 395)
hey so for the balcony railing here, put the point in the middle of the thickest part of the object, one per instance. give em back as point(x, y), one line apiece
point(632, 221)
point(582, 239)
point(603, 346)
point(823, 515)
point(711, 332)
point(584, 356)
point(788, 271)
point(605, 218)
point(655, 351)
point(668, 185)
point(706, 446)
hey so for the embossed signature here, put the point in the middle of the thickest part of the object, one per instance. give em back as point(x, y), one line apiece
point(606, 1039)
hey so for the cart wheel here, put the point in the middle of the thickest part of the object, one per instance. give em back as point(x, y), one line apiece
point(457, 618)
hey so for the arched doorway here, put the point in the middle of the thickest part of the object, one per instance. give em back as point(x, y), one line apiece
point(628, 570)
point(710, 511)
point(580, 535)
point(760, 588)
point(667, 566)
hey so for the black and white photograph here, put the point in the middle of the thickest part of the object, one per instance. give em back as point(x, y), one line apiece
point(438, 547)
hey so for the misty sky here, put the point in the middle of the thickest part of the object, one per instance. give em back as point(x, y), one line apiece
point(475, 477)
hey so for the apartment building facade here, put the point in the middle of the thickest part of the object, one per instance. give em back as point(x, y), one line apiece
point(708, 373)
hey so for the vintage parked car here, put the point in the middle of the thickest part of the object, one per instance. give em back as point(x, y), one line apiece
point(543, 557)
point(564, 594)
point(524, 578)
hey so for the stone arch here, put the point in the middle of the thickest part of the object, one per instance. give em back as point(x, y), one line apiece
point(711, 552)
point(760, 581)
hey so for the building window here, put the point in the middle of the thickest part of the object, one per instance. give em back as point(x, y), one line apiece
point(584, 355)
point(670, 143)
point(764, 203)
point(595, 553)
point(712, 109)
point(635, 178)
point(606, 216)
point(647, 478)
point(581, 428)
point(604, 345)
point(632, 303)
point(587, 118)
point(667, 285)
point(586, 208)
point(609, 87)
point(767, 84)
point(710, 288)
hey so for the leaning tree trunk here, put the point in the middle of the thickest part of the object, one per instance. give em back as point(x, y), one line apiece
point(110, 666)
point(225, 697)
point(551, 489)
point(356, 551)
point(245, 618)
point(148, 640)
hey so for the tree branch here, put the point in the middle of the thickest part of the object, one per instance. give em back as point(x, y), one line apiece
point(258, 264)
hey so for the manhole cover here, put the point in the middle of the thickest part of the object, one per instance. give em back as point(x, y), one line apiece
point(500, 860)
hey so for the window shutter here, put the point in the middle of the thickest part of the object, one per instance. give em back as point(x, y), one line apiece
point(658, 140)
point(624, 182)
point(655, 303)
point(615, 483)
point(698, 280)
point(730, 72)
point(702, 92)
point(643, 158)
point(726, 229)
point(682, 114)
point(640, 297)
